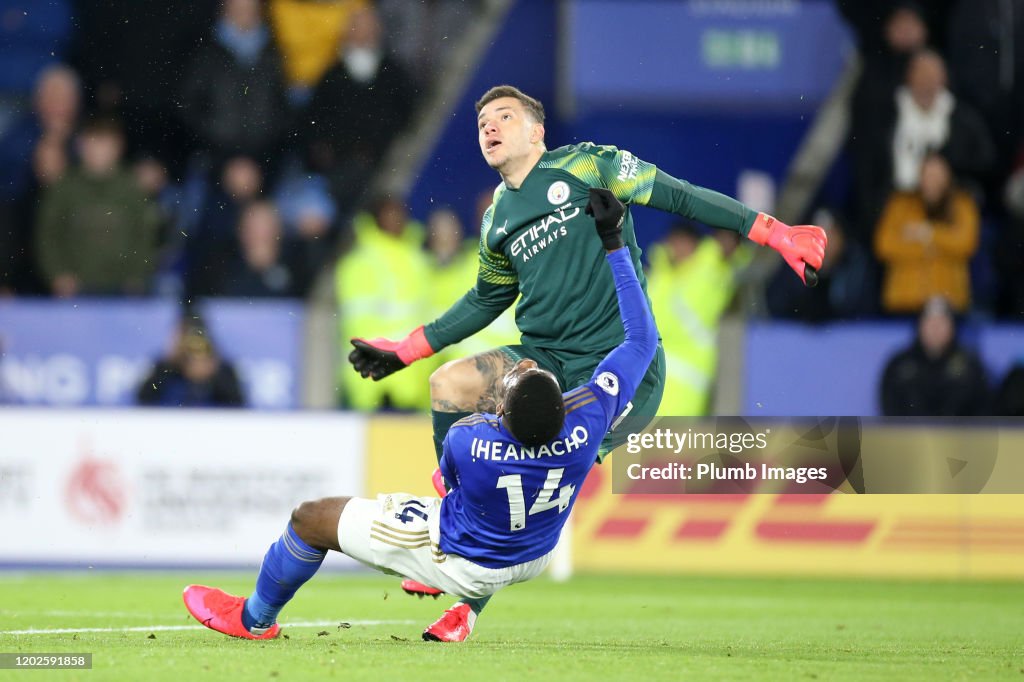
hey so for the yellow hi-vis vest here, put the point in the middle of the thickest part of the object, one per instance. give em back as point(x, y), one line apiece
point(381, 287)
point(689, 299)
point(449, 283)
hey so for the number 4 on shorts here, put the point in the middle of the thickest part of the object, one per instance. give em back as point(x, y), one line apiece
point(513, 485)
point(408, 511)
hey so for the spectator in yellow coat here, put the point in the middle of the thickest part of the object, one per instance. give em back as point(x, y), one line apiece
point(691, 282)
point(926, 239)
point(382, 287)
point(309, 35)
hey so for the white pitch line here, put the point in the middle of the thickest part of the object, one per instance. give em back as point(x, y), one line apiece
point(170, 628)
point(78, 614)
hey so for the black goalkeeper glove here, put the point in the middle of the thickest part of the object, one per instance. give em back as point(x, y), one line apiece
point(378, 358)
point(608, 212)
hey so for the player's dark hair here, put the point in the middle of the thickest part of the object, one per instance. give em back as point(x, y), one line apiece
point(532, 106)
point(534, 410)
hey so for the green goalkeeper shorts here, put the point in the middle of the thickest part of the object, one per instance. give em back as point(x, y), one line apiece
point(574, 370)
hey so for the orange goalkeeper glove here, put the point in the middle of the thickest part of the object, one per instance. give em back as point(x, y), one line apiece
point(801, 246)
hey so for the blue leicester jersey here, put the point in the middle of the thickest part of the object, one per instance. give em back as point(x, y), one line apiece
point(508, 502)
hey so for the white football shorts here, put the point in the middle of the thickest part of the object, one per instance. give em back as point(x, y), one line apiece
point(400, 534)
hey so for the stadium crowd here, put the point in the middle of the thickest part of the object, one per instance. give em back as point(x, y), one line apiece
point(200, 139)
point(193, 149)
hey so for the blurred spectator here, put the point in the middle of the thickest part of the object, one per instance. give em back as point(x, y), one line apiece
point(56, 104)
point(381, 288)
point(153, 178)
point(96, 233)
point(925, 240)
point(886, 48)
point(935, 376)
point(131, 54)
point(872, 20)
point(233, 98)
point(930, 118)
point(358, 108)
point(455, 262)
point(34, 153)
point(1009, 400)
point(309, 215)
point(986, 66)
point(50, 161)
point(264, 269)
point(306, 206)
point(1009, 252)
point(310, 34)
point(691, 283)
point(926, 118)
point(846, 287)
point(17, 250)
point(453, 269)
point(213, 246)
point(421, 34)
point(192, 375)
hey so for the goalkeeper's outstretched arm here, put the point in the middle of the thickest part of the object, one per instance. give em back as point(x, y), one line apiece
point(478, 307)
point(639, 182)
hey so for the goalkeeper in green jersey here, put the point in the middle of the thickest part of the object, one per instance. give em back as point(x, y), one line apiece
point(535, 242)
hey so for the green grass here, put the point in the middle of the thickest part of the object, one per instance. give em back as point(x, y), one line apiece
point(592, 628)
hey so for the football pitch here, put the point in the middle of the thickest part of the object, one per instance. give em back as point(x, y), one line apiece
point(354, 626)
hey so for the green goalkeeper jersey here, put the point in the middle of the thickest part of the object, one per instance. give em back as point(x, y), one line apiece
point(537, 241)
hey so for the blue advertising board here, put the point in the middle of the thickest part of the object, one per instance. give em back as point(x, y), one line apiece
point(652, 54)
point(96, 352)
point(799, 370)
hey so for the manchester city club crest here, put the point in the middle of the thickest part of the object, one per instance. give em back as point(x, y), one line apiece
point(558, 192)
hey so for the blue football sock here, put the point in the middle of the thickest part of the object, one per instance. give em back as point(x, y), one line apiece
point(476, 604)
point(288, 564)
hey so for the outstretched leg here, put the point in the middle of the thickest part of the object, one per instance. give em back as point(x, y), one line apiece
point(293, 559)
point(287, 565)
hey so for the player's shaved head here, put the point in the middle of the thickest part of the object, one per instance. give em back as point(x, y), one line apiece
point(533, 409)
point(533, 107)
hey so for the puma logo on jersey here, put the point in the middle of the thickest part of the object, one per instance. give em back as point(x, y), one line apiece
point(503, 228)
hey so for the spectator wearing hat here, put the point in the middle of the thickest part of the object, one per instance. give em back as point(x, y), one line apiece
point(192, 375)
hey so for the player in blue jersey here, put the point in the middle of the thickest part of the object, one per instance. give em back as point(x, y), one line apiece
point(514, 477)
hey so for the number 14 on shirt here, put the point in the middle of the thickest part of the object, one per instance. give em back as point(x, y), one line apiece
point(513, 485)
